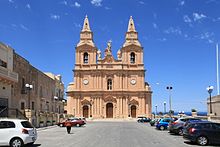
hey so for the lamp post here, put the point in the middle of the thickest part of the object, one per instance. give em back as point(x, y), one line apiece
point(63, 104)
point(210, 89)
point(129, 110)
point(170, 88)
point(29, 87)
point(164, 104)
point(155, 109)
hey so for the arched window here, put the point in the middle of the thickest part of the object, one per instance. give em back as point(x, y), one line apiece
point(132, 57)
point(109, 84)
point(85, 57)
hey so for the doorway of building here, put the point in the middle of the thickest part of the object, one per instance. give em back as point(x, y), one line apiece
point(86, 111)
point(109, 110)
point(4, 107)
point(133, 111)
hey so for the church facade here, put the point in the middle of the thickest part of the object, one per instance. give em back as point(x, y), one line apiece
point(105, 87)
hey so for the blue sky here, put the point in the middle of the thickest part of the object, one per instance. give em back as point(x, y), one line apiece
point(178, 36)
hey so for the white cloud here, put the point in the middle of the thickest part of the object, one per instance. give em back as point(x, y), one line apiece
point(141, 2)
point(208, 36)
point(11, 1)
point(197, 17)
point(187, 19)
point(186, 36)
point(107, 8)
point(155, 26)
point(172, 30)
point(28, 6)
point(182, 3)
point(155, 15)
point(14, 25)
point(210, 1)
point(216, 19)
point(77, 4)
point(96, 3)
point(161, 39)
point(77, 25)
point(64, 2)
point(54, 17)
point(24, 27)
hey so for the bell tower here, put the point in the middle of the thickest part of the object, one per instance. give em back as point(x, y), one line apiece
point(132, 51)
point(85, 49)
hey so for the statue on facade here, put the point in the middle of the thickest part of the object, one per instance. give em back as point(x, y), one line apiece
point(119, 54)
point(99, 55)
point(108, 50)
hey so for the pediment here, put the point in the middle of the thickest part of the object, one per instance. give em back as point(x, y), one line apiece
point(85, 102)
point(109, 99)
point(85, 43)
point(134, 47)
point(133, 102)
point(108, 59)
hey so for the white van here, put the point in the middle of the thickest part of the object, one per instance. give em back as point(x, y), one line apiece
point(16, 132)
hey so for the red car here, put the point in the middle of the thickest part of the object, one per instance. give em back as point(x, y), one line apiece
point(75, 122)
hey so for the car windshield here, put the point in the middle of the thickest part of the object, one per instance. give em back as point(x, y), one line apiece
point(26, 124)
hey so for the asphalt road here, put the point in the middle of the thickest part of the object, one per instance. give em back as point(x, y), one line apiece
point(110, 134)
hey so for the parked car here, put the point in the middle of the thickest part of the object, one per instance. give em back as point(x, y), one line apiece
point(143, 119)
point(176, 127)
point(154, 121)
point(75, 122)
point(16, 132)
point(192, 121)
point(162, 124)
point(202, 133)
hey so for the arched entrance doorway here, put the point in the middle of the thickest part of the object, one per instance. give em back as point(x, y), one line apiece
point(133, 111)
point(109, 110)
point(86, 111)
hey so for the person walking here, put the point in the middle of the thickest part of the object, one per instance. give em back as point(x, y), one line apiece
point(68, 125)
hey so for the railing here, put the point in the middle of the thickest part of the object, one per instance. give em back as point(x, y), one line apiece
point(12, 113)
point(10, 75)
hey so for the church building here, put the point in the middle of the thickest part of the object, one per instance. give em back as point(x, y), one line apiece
point(105, 87)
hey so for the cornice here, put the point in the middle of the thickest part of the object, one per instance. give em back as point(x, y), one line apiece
point(113, 93)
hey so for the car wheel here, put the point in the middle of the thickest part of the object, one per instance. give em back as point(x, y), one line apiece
point(162, 128)
point(202, 140)
point(61, 125)
point(78, 125)
point(180, 132)
point(16, 142)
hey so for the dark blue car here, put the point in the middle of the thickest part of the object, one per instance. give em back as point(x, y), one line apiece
point(163, 123)
point(203, 132)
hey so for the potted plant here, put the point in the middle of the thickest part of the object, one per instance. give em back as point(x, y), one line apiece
point(41, 123)
point(48, 123)
point(194, 112)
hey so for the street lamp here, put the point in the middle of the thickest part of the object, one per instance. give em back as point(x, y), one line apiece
point(29, 87)
point(210, 89)
point(169, 88)
point(164, 104)
point(155, 109)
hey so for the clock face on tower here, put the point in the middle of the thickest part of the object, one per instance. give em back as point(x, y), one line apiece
point(85, 82)
point(133, 81)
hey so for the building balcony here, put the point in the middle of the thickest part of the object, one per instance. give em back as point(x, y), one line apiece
point(8, 76)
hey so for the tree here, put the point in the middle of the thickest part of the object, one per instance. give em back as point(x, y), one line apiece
point(171, 112)
point(193, 110)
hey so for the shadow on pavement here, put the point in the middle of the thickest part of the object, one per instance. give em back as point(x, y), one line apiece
point(193, 143)
point(33, 145)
